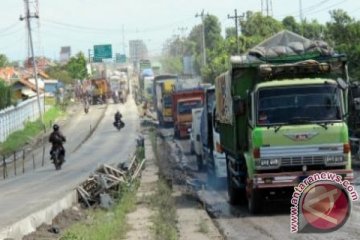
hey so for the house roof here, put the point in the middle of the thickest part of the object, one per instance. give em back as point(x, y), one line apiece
point(28, 84)
point(7, 73)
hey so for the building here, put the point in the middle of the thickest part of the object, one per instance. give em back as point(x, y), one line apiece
point(137, 51)
point(65, 54)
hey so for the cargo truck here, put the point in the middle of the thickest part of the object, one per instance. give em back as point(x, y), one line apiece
point(212, 156)
point(164, 86)
point(282, 116)
point(183, 101)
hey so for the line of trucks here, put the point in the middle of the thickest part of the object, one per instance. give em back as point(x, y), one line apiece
point(279, 114)
point(99, 89)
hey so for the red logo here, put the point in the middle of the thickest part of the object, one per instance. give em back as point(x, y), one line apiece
point(325, 207)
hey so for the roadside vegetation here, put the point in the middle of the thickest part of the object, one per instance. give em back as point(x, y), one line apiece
point(20, 138)
point(110, 224)
point(165, 219)
point(254, 28)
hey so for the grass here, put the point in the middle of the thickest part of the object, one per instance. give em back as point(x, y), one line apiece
point(18, 139)
point(105, 224)
point(165, 218)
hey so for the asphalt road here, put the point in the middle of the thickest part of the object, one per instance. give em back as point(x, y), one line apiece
point(35, 190)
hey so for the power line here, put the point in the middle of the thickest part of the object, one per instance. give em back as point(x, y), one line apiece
point(5, 29)
point(79, 27)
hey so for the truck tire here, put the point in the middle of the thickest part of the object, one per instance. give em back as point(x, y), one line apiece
point(210, 172)
point(236, 195)
point(255, 201)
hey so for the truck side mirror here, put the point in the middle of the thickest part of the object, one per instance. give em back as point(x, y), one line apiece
point(342, 84)
point(239, 106)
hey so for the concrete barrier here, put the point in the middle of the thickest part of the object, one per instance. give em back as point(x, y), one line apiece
point(29, 224)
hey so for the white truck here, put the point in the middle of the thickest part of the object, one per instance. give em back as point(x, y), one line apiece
point(195, 141)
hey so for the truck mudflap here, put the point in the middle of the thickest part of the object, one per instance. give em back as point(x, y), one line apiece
point(292, 179)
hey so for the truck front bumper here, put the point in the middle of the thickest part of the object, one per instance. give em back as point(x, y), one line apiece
point(292, 179)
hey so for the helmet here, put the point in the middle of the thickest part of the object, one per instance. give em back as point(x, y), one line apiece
point(56, 127)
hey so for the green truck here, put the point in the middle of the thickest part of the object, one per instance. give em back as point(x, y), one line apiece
point(282, 115)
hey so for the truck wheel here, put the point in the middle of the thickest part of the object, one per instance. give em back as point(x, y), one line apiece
point(255, 201)
point(199, 162)
point(234, 197)
point(210, 170)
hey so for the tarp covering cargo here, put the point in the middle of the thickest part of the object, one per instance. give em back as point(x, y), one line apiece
point(224, 109)
point(286, 43)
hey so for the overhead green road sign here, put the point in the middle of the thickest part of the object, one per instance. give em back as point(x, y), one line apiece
point(102, 51)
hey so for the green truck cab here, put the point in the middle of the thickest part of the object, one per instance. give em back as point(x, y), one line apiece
point(281, 118)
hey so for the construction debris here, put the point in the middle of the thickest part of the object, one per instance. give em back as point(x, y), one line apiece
point(104, 183)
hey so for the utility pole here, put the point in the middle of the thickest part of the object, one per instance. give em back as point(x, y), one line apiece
point(203, 35)
point(27, 17)
point(237, 18)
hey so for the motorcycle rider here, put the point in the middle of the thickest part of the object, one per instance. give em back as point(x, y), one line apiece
point(117, 117)
point(57, 139)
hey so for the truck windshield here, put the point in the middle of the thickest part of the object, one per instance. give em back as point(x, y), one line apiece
point(167, 101)
point(300, 104)
point(185, 107)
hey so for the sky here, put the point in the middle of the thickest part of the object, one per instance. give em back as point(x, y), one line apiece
point(82, 24)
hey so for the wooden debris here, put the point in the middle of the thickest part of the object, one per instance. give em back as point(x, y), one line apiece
point(106, 179)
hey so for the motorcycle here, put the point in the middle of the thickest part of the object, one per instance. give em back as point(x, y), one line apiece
point(119, 125)
point(57, 157)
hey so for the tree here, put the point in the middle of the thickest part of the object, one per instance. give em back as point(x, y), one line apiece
point(258, 25)
point(212, 32)
point(5, 95)
point(60, 73)
point(313, 30)
point(4, 61)
point(77, 67)
point(290, 24)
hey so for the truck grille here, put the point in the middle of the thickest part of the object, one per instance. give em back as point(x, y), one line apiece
point(299, 161)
